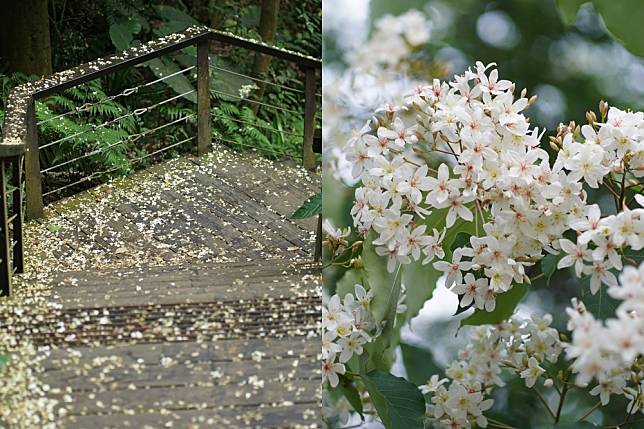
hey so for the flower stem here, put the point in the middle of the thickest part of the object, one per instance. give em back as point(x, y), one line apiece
point(545, 404)
point(564, 391)
point(589, 412)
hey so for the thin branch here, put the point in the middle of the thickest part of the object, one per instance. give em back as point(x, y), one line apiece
point(545, 404)
point(589, 412)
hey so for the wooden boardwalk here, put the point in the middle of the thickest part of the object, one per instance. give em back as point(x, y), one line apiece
point(181, 297)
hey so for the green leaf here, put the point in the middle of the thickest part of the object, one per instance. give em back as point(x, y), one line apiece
point(122, 32)
point(420, 282)
point(53, 228)
point(162, 67)
point(462, 238)
point(568, 9)
point(311, 207)
point(350, 392)
point(4, 361)
point(505, 305)
point(347, 283)
point(549, 265)
point(171, 14)
point(399, 403)
point(623, 20)
point(378, 356)
point(419, 364)
point(385, 285)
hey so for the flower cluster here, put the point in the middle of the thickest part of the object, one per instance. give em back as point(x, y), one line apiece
point(345, 327)
point(246, 90)
point(335, 238)
point(394, 39)
point(499, 178)
point(518, 345)
point(613, 361)
point(600, 243)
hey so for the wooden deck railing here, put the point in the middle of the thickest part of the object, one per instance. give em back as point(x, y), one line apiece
point(21, 187)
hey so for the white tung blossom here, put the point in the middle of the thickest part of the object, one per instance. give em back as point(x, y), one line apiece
point(496, 178)
point(520, 346)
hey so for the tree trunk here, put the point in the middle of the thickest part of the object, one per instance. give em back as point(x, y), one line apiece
point(267, 30)
point(25, 45)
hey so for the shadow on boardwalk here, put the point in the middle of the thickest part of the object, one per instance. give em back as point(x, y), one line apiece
point(180, 297)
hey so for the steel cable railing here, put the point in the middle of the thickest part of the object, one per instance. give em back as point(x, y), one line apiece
point(259, 103)
point(125, 93)
point(136, 112)
point(102, 173)
point(98, 136)
point(255, 79)
point(130, 139)
point(254, 124)
point(222, 120)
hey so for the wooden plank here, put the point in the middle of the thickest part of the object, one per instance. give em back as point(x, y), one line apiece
point(109, 374)
point(93, 214)
point(220, 227)
point(283, 191)
point(265, 240)
point(216, 351)
point(308, 157)
point(261, 216)
point(173, 227)
point(204, 122)
point(173, 398)
point(300, 415)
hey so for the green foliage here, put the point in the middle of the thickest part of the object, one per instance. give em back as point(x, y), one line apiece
point(311, 207)
point(122, 32)
point(349, 391)
point(420, 283)
point(623, 19)
point(399, 403)
point(385, 285)
point(574, 425)
point(419, 364)
point(505, 306)
point(179, 84)
point(569, 9)
point(549, 265)
point(347, 282)
point(4, 360)
point(54, 228)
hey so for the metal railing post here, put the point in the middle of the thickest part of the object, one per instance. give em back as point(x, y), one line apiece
point(18, 252)
point(204, 132)
point(308, 156)
point(5, 236)
point(32, 166)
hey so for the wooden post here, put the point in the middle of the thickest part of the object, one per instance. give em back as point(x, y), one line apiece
point(32, 167)
point(18, 252)
point(5, 237)
point(204, 132)
point(308, 156)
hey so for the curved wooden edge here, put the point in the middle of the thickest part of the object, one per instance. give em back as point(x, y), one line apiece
point(11, 150)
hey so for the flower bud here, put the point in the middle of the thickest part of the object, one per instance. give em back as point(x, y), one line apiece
point(549, 382)
point(603, 108)
point(591, 117)
point(357, 263)
point(532, 100)
point(524, 92)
